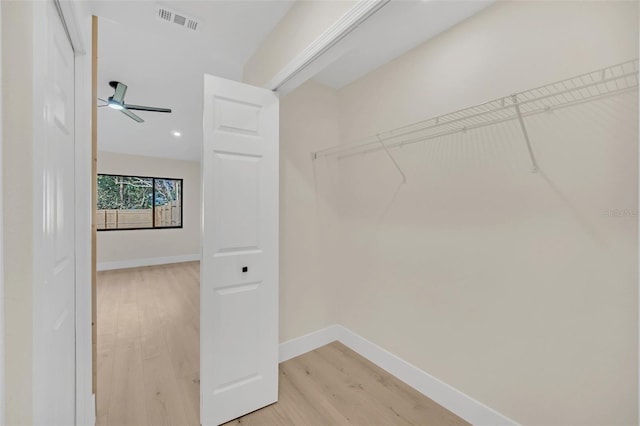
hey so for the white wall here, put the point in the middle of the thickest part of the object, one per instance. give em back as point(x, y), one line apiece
point(301, 26)
point(17, 192)
point(309, 120)
point(518, 289)
point(476, 61)
point(117, 249)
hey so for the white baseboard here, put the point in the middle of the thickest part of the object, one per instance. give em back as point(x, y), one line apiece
point(94, 409)
point(303, 344)
point(86, 410)
point(135, 263)
point(450, 398)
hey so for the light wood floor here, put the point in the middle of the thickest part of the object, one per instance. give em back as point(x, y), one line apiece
point(148, 365)
point(148, 346)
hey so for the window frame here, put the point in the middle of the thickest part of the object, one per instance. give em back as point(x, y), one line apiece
point(153, 214)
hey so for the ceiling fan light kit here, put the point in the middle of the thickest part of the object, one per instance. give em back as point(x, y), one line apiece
point(117, 102)
point(114, 105)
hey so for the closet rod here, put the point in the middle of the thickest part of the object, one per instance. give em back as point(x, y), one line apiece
point(591, 86)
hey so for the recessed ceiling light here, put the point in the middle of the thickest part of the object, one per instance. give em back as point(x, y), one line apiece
point(176, 133)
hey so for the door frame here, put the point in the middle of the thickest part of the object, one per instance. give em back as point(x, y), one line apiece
point(77, 21)
point(77, 17)
point(1, 250)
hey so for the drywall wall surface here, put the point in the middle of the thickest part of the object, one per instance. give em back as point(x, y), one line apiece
point(17, 192)
point(519, 289)
point(301, 26)
point(309, 121)
point(136, 245)
point(510, 47)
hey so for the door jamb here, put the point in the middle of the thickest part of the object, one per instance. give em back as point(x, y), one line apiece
point(2, 310)
point(77, 20)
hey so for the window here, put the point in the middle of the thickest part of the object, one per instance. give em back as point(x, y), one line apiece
point(137, 202)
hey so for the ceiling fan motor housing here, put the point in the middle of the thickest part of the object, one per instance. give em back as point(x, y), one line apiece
point(117, 102)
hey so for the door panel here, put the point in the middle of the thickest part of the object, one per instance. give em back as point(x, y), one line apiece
point(54, 287)
point(237, 177)
point(239, 269)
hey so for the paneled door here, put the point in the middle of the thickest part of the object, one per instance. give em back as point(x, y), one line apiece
point(54, 221)
point(239, 266)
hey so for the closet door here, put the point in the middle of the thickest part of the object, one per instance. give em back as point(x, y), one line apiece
point(54, 281)
point(239, 269)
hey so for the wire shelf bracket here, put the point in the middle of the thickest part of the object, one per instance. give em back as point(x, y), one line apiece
point(393, 160)
point(591, 86)
point(532, 156)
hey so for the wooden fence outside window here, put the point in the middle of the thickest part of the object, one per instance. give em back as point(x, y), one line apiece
point(168, 215)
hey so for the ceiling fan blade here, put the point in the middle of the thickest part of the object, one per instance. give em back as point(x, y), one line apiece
point(120, 91)
point(146, 108)
point(131, 115)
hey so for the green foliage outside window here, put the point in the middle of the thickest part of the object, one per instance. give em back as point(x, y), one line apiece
point(124, 192)
point(134, 202)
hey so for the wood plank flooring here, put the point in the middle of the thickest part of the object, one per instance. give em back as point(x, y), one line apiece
point(148, 346)
point(148, 365)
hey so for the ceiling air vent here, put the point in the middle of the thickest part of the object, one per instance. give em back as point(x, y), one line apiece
point(172, 17)
point(165, 14)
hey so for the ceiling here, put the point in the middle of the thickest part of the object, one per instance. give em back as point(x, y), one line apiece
point(397, 28)
point(163, 64)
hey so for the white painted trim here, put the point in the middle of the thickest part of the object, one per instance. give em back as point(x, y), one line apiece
point(78, 39)
point(135, 263)
point(303, 344)
point(39, 259)
point(313, 68)
point(360, 12)
point(450, 398)
point(79, 36)
point(78, 20)
point(2, 309)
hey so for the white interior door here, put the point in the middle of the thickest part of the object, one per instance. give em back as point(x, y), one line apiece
point(54, 221)
point(239, 266)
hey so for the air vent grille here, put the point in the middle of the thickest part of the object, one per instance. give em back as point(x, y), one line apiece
point(164, 14)
point(180, 20)
point(172, 17)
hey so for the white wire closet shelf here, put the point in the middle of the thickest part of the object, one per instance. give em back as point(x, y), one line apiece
point(587, 87)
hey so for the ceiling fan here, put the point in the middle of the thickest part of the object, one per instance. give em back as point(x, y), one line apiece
point(117, 102)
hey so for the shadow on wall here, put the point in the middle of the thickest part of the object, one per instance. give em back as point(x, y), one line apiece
point(473, 178)
point(535, 274)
